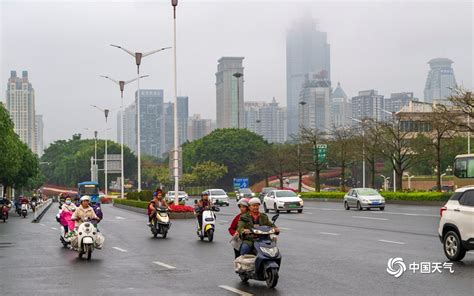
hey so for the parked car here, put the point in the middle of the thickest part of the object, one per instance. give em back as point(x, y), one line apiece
point(218, 197)
point(182, 196)
point(456, 224)
point(364, 198)
point(243, 193)
point(264, 191)
point(282, 200)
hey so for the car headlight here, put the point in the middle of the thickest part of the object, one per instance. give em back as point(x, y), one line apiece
point(301, 202)
point(272, 252)
point(365, 200)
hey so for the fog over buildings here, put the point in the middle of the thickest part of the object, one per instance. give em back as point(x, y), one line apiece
point(64, 46)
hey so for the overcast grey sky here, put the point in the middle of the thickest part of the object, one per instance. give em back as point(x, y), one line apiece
point(65, 47)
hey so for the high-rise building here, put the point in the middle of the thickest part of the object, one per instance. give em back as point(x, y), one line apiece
point(368, 105)
point(341, 109)
point(315, 112)
point(129, 127)
point(398, 100)
point(307, 51)
point(440, 81)
point(199, 127)
point(21, 106)
point(39, 126)
point(151, 121)
point(168, 123)
point(267, 120)
point(230, 93)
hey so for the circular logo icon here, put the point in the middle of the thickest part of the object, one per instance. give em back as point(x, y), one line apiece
point(396, 267)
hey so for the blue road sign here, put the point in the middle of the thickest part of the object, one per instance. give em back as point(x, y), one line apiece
point(241, 183)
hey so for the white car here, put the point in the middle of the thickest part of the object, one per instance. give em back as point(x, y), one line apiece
point(218, 197)
point(282, 200)
point(363, 198)
point(456, 225)
point(182, 196)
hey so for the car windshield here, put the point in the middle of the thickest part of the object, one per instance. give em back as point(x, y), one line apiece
point(217, 192)
point(285, 193)
point(245, 190)
point(367, 192)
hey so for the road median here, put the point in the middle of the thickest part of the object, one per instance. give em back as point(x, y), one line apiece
point(178, 212)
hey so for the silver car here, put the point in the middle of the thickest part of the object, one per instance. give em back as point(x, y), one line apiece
point(363, 198)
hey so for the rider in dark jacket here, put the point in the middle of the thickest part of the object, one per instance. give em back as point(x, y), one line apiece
point(201, 205)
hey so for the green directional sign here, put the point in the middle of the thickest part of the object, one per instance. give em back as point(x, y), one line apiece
point(320, 152)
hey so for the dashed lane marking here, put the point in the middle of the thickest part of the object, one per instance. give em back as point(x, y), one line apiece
point(119, 218)
point(164, 265)
point(54, 228)
point(329, 233)
point(42, 224)
point(237, 291)
point(120, 249)
point(391, 242)
point(370, 218)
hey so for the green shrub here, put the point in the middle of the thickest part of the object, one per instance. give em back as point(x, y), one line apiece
point(388, 195)
point(144, 195)
point(132, 203)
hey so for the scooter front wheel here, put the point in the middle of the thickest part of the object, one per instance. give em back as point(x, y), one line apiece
point(271, 277)
point(210, 235)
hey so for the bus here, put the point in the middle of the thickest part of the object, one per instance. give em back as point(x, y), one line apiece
point(463, 170)
point(88, 188)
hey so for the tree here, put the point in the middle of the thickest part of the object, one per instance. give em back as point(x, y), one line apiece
point(279, 161)
point(208, 172)
point(314, 137)
point(341, 151)
point(236, 149)
point(372, 137)
point(462, 101)
point(395, 143)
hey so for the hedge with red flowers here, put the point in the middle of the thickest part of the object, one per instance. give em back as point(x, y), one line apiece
point(181, 209)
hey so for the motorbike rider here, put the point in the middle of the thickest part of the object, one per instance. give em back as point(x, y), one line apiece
point(252, 218)
point(67, 210)
point(236, 242)
point(203, 204)
point(84, 212)
point(95, 204)
point(157, 202)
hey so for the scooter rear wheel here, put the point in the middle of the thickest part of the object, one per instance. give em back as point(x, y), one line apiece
point(271, 277)
point(243, 278)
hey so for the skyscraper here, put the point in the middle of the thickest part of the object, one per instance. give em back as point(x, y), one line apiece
point(168, 123)
point(229, 104)
point(21, 106)
point(183, 115)
point(129, 127)
point(151, 118)
point(267, 120)
point(440, 81)
point(368, 105)
point(199, 127)
point(340, 108)
point(307, 51)
point(316, 94)
point(398, 100)
point(39, 126)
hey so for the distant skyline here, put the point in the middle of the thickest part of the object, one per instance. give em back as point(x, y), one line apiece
point(374, 45)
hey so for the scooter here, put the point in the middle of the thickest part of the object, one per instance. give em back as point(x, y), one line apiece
point(24, 210)
point(33, 206)
point(86, 237)
point(160, 224)
point(265, 262)
point(4, 212)
point(208, 224)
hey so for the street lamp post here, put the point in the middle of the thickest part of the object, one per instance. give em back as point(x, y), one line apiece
point(363, 149)
point(238, 75)
point(394, 172)
point(122, 84)
point(138, 58)
point(300, 177)
point(409, 179)
point(441, 180)
point(385, 182)
point(106, 113)
point(174, 3)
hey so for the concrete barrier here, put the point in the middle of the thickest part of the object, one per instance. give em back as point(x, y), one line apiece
point(41, 209)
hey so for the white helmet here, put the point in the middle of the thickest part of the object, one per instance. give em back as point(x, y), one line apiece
point(85, 197)
point(255, 200)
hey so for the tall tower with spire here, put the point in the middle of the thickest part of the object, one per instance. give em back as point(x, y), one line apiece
point(341, 109)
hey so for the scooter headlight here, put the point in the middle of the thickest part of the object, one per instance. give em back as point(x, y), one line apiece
point(271, 252)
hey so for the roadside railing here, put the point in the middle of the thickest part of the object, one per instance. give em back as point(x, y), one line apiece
point(41, 209)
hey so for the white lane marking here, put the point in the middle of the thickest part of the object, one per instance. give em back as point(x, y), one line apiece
point(308, 213)
point(54, 228)
point(120, 249)
point(371, 218)
point(405, 214)
point(164, 265)
point(237, 291)
point(119, 218)
point(284, 228)
point(42, 224)
point(391, 242)
point(329, 233)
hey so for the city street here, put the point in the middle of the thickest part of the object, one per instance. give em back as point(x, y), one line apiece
point(326, 251)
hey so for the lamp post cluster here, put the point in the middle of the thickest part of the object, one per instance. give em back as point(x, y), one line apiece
point(138, 56)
